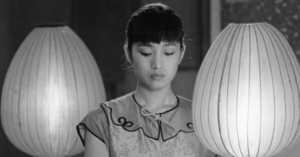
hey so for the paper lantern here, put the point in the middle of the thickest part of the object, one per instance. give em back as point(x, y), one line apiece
point(52, 83)
point(246, 97)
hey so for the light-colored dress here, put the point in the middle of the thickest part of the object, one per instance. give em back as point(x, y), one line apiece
point(129, 130)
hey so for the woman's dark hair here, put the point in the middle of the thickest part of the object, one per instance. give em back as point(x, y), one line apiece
point(154, 23)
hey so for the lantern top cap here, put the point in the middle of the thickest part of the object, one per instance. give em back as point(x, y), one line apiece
point(254, 23)
point(52, 25)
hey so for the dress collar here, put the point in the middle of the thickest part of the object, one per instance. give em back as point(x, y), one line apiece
point(126, 112)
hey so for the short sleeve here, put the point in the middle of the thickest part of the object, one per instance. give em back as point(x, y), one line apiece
point(96, 122)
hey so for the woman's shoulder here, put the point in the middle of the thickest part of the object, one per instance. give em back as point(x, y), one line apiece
point(184, 103)
point(120, 104)
point(123, 106)
point(117, 104)
point(122, 100)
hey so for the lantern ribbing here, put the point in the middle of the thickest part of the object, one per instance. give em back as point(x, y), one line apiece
point(246, 97)
point(53, 81)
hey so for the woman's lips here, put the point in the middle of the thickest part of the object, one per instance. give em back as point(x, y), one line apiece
point(157, 76)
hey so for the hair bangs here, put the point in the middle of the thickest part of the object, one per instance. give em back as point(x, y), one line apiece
point(156, 34)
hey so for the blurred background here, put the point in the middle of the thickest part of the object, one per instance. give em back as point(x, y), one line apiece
point(101, 25)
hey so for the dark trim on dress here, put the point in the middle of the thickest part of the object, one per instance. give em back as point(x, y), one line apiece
point(85, 126)
point(160, 112)
point(126, 123)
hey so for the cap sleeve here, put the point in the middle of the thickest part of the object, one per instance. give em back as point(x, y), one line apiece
point(96, 122)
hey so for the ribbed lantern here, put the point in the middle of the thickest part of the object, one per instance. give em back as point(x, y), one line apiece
point(52, 83)
point(246, 97)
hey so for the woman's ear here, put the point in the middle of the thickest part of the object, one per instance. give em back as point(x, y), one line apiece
point(127, 54)
point(182, 51)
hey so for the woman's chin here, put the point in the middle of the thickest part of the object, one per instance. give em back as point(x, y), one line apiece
point(154, 85)
point(158, 86)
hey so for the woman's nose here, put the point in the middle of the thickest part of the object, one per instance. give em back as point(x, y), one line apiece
point(157, 62)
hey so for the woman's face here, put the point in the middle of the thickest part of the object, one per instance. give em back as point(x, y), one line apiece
point(155, 65)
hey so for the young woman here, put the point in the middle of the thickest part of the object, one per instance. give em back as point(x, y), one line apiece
point(151, 121)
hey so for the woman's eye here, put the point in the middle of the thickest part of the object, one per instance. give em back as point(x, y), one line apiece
point(145, 53)
point(169, 53)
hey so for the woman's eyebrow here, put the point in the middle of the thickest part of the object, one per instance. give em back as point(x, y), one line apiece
point(170, 44)
point(144, 44)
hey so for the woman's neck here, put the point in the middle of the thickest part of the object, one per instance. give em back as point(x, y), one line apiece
point(156, 101)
